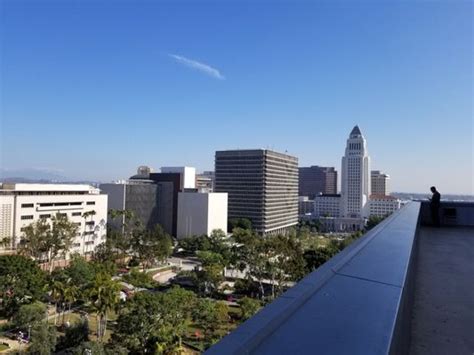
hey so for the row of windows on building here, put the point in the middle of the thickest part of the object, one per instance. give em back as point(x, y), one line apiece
point(48, 215)
point(56, 204)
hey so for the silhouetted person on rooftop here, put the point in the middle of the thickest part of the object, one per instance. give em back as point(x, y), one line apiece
point(434, 206)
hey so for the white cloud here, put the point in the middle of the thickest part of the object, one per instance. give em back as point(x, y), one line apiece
point(204, 68)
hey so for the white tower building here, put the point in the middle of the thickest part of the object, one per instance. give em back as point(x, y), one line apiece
point(355, 177)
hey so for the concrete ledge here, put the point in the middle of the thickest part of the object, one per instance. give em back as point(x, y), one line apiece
point(355, 303)
point(452, 213)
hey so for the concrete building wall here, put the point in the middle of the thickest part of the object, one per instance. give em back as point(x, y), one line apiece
point(383, 206)
point(150, 201)
point(116, 195)
point(201, 213)
point(188, 175)
point(166, 206)
point(217, 212)
point(7, 212)
point(35, 201)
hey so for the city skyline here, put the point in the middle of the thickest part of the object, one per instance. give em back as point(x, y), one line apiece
point(125, 85)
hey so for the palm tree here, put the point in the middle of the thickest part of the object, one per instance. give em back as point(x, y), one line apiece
point(104, 296)
point(71, 293)
point(57, 294)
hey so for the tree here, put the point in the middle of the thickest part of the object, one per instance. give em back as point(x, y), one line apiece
point(74, 336)
point(29, 314)
point(178, 305)
point(139, 279)
point(242, 223)
point(210, 275)
point(45, 242)
point(57, 288)
point(43, 339)
point(247, 287)
point(192, 244)
point(104, 251)
point(210, 316)
point(21, 282)
point(36, 240)
point(274, 259)
point(243, 236)
point(80, 272)
point(159, 321)
point(219, 245)
point(248, 307)
point(314, 258)
point(151, 245)
point(96, 348)
point(137, 324)
point(373, 221)
point(71, 294)
point(104, 296)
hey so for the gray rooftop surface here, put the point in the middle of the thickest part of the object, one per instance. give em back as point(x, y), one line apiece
point(443, 309)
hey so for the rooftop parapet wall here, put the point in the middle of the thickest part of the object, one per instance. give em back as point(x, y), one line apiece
point(356, 303)
point(451, 213)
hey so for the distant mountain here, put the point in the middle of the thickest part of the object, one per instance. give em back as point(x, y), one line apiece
point(31, 175)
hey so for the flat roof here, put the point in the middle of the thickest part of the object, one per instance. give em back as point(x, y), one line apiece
point(46, 187)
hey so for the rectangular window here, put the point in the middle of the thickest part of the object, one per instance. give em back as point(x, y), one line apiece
point(91, 202)
point(27, 217)
point(90, 223)
point(45, 216)
point(27, 205)
point(62, 214)
point(74, 214)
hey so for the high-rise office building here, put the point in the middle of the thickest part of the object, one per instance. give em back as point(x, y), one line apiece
point(262, 186)
point(379, 183)
point(355, 177)
point(315, 180)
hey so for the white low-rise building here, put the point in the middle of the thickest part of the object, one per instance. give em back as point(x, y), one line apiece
point(341, 224)
point(327, 205)
point(22, 204)
point(383, 205)
point(201, 213)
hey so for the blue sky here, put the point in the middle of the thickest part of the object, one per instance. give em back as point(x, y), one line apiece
point(92, 89)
